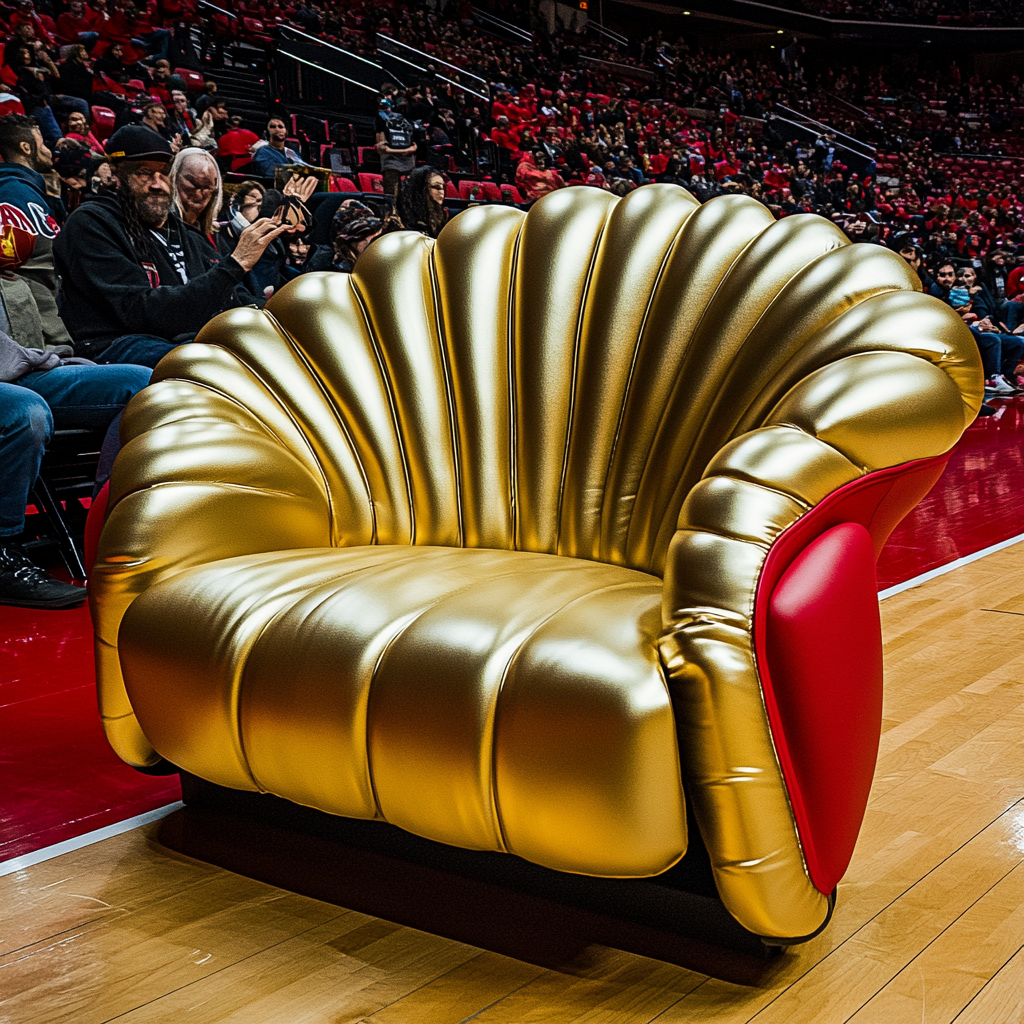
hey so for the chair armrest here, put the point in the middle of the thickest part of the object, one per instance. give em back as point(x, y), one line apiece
point(844, 445)
point(212, 467)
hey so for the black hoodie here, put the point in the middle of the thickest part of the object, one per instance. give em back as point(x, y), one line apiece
point(108, 291)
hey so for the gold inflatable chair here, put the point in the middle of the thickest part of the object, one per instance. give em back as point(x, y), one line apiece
point(513, 539)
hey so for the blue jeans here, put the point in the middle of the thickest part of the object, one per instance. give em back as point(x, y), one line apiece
point(72, 104)
point(157, 43)
point(1000, 353)
point(65, 397)
point(140, 349)
point(47, 125)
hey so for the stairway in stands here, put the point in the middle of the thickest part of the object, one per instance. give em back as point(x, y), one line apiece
point(245, 90)
point(241, 81)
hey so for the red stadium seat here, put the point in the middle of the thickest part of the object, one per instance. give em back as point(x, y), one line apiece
point(342, 184)
point(194, 81)
point(102, 122)
point(509, 193)
point(371, 182)
point(450, 191)
point(479, 190)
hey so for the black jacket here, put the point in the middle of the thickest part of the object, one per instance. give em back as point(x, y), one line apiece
point(108, 291)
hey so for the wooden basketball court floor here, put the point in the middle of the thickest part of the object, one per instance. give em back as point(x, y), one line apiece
point(929, 924)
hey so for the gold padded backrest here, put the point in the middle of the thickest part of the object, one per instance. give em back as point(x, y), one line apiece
point(642, 381)
point(556, 382)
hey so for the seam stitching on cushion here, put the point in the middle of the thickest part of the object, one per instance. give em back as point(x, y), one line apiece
point(679, 376)
point(669, 250)
point(315, 376)
point(267, 428)
point(449, 391)
point(887, 290)
point(257, 423)
point(284, 611)
point(300, 431)
point(495, 803)
point(702, 429)
point(385, 376)
point(577, 341)
point(513, 405)
point(423, 611)
point(380, 658)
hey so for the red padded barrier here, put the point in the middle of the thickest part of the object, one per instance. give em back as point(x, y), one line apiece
point(825, 657)
point(825, 759)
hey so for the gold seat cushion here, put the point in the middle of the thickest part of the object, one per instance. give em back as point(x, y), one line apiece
point(495, 700)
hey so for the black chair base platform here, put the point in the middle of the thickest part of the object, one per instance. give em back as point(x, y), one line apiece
point(493, 900)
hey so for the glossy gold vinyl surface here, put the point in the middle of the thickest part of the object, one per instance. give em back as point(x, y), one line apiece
point(496, 700)
point(469, 539)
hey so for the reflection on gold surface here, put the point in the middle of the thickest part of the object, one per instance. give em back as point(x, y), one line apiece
point(469, 540)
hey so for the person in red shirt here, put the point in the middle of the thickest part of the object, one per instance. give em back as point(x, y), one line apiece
point(506, 137)
point(77, 25)
point(657, 163)
point(26, 14)
point(535, 177)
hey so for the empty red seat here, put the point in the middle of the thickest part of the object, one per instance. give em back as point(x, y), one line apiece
point(102, 122)
point(509, 193)
point(342, 184)
point(193, 80)
point(371, 182)
point(479, 190)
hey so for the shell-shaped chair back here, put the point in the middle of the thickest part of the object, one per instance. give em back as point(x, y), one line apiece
point(552, 382)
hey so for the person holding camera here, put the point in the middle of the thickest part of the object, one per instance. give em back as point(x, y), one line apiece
point(395, 145)
point(134, 279)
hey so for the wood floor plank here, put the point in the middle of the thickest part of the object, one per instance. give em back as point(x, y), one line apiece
point(323, 975)
point(930, 920)
point(1001, 1001)
point(58, 896)
point(119, 962)
point(938, 983)
point(605, 985)
point(461, 993)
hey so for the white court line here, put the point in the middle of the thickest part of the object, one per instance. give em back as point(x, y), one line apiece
point(8, 867)
point(948, 567)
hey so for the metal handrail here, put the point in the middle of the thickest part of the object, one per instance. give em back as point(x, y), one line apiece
point(330, 46)
point(427, 57)
point(506, 26)
point(327, 71)
point(613, 36)
point(829, 128)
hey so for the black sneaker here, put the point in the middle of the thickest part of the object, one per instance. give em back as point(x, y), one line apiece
point(24, 584)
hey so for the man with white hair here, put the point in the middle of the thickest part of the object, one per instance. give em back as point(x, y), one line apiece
point(134, 279)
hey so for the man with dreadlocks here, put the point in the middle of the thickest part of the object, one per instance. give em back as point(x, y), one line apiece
point(135, 281)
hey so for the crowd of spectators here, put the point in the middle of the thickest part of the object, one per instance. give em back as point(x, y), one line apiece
point(117, 246)
point(997, 13)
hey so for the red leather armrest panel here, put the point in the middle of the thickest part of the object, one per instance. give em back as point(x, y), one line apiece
point(818, 645)
point(94, 525)
point(825, 655)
